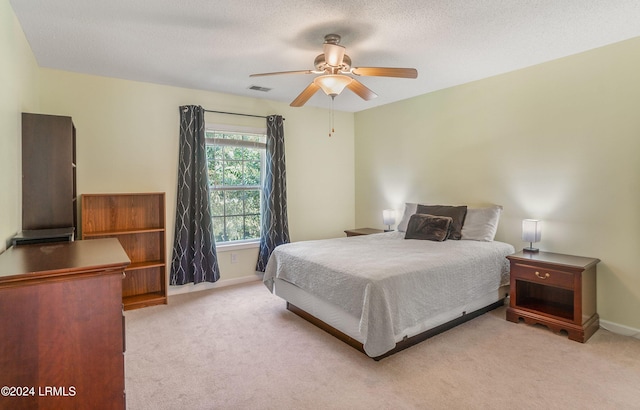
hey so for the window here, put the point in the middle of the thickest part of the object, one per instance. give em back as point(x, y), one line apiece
point(236, 161)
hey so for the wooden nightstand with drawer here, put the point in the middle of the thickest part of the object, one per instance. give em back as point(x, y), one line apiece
point(362, 231)
point(555, 290)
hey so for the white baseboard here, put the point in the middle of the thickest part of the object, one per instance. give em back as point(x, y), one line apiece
point(620, 329)
point(177, 290)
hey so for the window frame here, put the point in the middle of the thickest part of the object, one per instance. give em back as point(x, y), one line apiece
point(261, 146)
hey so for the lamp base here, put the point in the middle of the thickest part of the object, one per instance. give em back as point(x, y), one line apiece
point(530, 250)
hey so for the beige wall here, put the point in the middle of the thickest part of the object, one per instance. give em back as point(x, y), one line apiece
point(558, 141)
point(18, 93)
point(127, 141)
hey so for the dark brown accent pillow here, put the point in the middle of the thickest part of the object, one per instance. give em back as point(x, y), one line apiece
point(457, 213)
point(430, 227)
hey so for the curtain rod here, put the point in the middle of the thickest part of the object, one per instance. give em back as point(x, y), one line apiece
point(236, 113)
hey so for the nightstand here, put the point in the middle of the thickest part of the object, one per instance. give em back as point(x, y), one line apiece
point(555, 290)
point(362, 231)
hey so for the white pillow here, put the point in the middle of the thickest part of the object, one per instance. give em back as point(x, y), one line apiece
point(481, 224)
point(409, 209)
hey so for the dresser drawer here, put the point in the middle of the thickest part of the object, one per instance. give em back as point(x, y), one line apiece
point(542, 276)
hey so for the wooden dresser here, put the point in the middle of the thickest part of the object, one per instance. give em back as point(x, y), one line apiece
point(61, 325)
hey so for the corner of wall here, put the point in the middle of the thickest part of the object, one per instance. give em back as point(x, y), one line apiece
point(19, 83)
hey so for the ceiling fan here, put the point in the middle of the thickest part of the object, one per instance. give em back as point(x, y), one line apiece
point(334, 66)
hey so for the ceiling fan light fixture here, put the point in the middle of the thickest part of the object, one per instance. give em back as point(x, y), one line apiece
point(335, 69)
point(332, 84)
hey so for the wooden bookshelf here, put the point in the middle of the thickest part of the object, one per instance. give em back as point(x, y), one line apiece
point(137, 220)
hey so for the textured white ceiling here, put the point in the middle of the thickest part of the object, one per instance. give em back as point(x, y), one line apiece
point(215, 45)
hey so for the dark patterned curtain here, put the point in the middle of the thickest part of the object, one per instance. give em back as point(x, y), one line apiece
point(274, 227)
point(194, 253)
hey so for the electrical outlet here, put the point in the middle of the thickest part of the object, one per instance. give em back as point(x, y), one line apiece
point(234, 258)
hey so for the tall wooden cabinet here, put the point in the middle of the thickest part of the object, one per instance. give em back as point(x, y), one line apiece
point(61, 326)
point(48, 172)
point(137, 220)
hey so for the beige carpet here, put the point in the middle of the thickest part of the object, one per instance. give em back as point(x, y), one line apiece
point(238, 348)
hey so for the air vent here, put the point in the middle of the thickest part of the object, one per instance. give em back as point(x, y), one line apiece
point(258, 88)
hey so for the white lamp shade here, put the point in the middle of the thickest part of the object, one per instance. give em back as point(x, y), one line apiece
point(332, 84)
point(389, 217)
point(531, 230)
point(333, 54)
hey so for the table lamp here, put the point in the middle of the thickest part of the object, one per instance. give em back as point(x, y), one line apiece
point(389, 218)
point(531, 233)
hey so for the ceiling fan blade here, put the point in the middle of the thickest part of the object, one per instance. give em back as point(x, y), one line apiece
point(282, 72)
point(333, 54)
point(361, 90)
point(386, 72)
point(305, 95)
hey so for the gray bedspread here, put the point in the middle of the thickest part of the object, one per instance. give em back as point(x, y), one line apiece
point(389, 282)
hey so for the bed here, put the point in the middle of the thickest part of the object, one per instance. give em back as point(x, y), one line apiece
point(382, 293)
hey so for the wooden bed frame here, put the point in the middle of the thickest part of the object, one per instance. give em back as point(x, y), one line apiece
point(404, 343)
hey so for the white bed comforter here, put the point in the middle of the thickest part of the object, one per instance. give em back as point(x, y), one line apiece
point(389, 282)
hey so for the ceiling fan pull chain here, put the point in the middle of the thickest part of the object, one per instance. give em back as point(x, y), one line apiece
point(332, 129)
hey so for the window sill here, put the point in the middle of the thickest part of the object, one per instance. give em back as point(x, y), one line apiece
point(227, 246)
